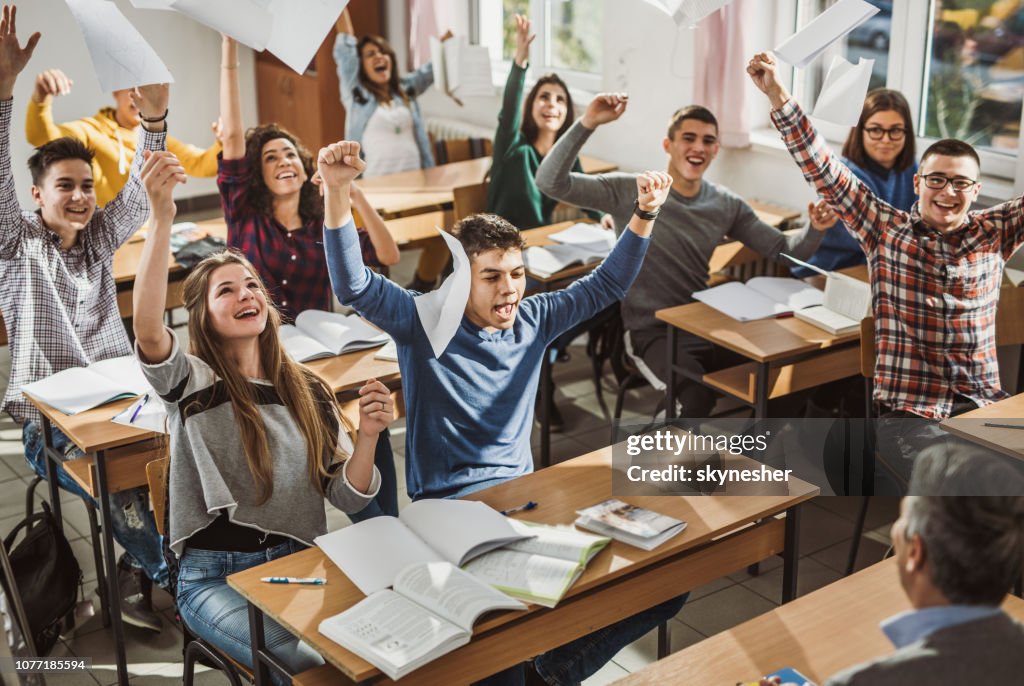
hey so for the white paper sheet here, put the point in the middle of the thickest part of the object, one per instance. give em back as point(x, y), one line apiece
point(441, 311)
point(688, 12)
point(842, 94)
point(152, 4)
point(469, 68)
point(121, 56)
point(152, 416)
point(300, 28)
point(439, 61)
point(801, 48)
point(247, 21)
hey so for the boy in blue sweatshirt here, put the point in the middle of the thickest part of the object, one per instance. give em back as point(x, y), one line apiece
point(469, 411)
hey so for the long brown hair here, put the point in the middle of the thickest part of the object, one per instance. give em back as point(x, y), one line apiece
point(394, 85)
point(528, 126)
point(881, 100)
point(311, 205)
point(303, 392)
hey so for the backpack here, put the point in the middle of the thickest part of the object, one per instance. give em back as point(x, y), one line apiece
point(46, 576)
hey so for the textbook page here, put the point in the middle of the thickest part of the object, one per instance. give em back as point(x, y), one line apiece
point(563, 542)
point(550, 259)
point(247, 21)
point(804, 46)
point(340, 332)
point(740, 302)
point(586, 235)
point(842, 95)
point(458, 530)
point(120, 55)
point(151, 415)
point(847, 296)
point(125, 371)
point(298, 29)
point(439, 60)
point(793, 293)
point(534, 578)
point(440, 311)
point(75, 390)
point(300, 346)
point(451, 593)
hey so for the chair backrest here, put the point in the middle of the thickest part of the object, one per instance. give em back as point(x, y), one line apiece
point(1010, 316)
point(156, 477)
point(867, 347)
point(469, 200)
point(459, 149)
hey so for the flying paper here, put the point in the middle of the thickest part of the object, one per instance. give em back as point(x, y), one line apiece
point(247, 21)
point(297, 33)
point(688, 12)
point(838, 20)
point(120, 55)
point(441, 311)
point(842, 94)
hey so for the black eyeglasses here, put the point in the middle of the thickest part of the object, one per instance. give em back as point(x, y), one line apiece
point(938, 181)
point(876, 133)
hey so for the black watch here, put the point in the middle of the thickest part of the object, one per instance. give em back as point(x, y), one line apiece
point(644, 214)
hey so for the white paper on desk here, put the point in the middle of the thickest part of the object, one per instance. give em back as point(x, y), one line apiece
point(120, 55)
point(842, 94)
point(441, 311)
point(247, 21)
point(152, 416)
point(300, 28)
point(801, 48)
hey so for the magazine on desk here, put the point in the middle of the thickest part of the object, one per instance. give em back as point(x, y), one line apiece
point(630, 524)
point(78, 389)
point(847, 301)
point(429, 612)
point(318, 334)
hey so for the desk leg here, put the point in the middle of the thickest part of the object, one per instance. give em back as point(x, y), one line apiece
point(670, 382)
point(262, 659)
point(791, 554)
point(545, 409)
point(113, 594)
point(53, 458)
point(761, 398)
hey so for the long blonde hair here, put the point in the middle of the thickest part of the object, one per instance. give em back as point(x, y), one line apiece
point(303, 392)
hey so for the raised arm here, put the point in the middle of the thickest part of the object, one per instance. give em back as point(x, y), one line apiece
point(346, 58)
point(161, 172)
point(13, 59)
point(39, 125)
point(510, 116)
point(383, 242)
point(232, 135)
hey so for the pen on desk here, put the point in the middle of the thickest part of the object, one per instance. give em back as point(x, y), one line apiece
point(308, 581)
point(138, 408)
point(783, 315)
point(996, 425)
point(519, 508)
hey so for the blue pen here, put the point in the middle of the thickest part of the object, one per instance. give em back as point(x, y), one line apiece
point(519, 508)
point(145, 399)
point(308, 581)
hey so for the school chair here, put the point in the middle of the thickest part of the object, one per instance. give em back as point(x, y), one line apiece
point(195, 648)
point(449, 150)
point(467, 200)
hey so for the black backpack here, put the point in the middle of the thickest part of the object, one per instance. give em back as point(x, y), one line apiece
point(46, 574)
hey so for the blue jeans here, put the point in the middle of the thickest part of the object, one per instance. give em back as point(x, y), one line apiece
point(130, 519)
point(386, 502)
point(216, 613)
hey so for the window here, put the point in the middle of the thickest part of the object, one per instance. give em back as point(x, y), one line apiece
point(569, 36)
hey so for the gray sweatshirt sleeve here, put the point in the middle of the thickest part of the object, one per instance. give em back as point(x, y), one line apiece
point(343, 496)
point(769, 241)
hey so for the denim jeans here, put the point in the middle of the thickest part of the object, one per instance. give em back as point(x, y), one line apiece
point(386, 502)
point(131, 521)
point(216, 613)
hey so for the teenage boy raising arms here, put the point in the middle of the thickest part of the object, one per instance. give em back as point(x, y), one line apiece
point(59, 300)
point(695, 218)
point(469, 412)
point(935, 272)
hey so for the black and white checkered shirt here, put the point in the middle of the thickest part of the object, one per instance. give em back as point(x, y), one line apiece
point(60, 307)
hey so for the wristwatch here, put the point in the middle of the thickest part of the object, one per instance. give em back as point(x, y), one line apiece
point(644, 214)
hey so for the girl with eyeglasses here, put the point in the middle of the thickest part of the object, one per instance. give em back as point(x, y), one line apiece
point(880, 151)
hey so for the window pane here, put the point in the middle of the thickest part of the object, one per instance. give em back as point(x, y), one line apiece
point(510, 8)
point(870, 40)
point(975, 74)
point(575, 34)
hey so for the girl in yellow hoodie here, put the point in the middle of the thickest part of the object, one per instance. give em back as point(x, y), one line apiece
point(111, 133)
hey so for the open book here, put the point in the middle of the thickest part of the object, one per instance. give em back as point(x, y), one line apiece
point(317, 334)
point(630, 524)
point(77, 389)
point(374, 551)
point(847, 301)
point(430, 612)
point(461, 69)
point(581, 243)
point(761, 297)
point(539, 569)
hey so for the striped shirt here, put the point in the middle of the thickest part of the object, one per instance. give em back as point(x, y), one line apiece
point(60, 306)
point(933, 294)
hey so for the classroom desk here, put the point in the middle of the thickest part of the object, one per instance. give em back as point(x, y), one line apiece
point(724, 534)
point(787, 355)
point(970, 426)
point(820, 634)
point(117, 456)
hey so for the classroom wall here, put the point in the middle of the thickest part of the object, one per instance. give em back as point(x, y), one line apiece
point(190, 51)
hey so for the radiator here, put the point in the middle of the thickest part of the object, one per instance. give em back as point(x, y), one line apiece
point(442, 129)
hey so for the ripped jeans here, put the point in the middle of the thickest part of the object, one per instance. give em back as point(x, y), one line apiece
point(131, 521)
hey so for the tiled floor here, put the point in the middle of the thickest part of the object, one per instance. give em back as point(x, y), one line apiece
point(155, 659)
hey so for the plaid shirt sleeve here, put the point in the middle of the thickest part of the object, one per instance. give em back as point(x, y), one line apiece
point(232, 179)
point(12, 225)
point(865, 214)
point(1008, 220)
point(130, 208)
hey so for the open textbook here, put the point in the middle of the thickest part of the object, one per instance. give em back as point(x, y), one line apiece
point(430, 612)
point(761, 297)
point(847, 301)
point(317, 334)
point(539, 569)
point(373, 552)
point(77, 389)
point(582, 243)
point(461, 69)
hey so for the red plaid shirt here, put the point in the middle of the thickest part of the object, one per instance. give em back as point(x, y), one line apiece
point(292, 264)
point(934, 295)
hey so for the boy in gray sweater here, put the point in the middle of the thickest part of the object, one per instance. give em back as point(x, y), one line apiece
point(697, 216)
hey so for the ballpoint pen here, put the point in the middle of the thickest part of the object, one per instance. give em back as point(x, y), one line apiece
point(138, 408)
point(308, 581)
point(519, 508)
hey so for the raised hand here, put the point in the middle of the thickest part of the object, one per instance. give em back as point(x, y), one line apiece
point(50, 83)
point(762, 69)
point(218, 130)
point(339, 163)
point(523, 40)
point(605, 108)
point(821, 215)
point(152, 100)
point(376, 409)
point(13, 57)
point(652, 190)
point(161, 172)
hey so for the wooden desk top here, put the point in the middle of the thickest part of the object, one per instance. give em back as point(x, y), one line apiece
point(970, 426)
point(560, 490)
point(539, 237)
point(772, 214)
point(819, 635)
point(128, 256)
